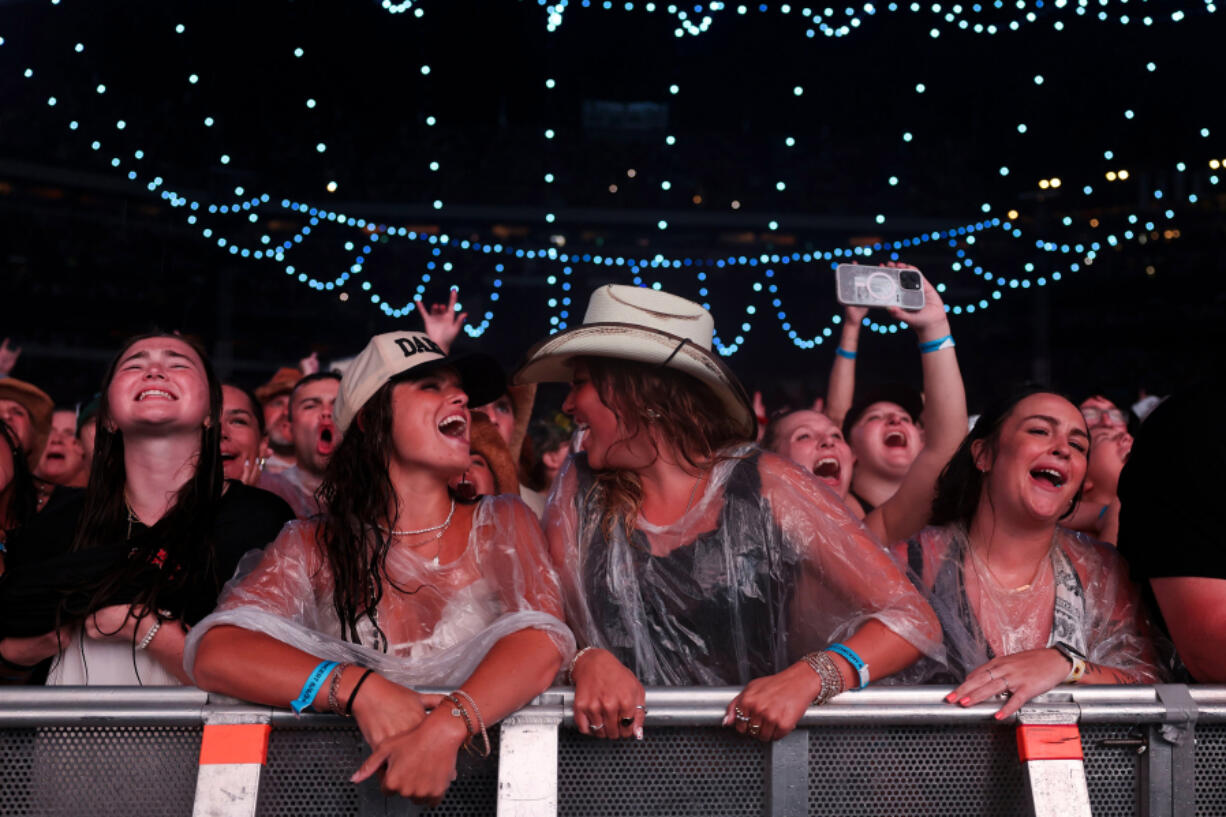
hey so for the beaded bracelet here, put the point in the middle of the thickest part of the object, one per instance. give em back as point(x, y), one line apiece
point(570, 670)
point(458, 711)
point(485, 736)
point(163, 615)
point(148, 639)
point(828, 671)
point(333, 703)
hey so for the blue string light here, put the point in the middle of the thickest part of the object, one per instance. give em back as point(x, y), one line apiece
point(767, 296)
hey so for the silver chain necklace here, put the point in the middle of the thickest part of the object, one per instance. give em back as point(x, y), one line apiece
point(442, 526)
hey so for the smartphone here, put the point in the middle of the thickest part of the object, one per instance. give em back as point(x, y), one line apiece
point(879, 286)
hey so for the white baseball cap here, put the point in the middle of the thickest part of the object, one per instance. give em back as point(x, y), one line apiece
point(395, 353)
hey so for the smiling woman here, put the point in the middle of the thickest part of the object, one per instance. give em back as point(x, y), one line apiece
point(399, 584)
point(109, 583)
point(1024, 604)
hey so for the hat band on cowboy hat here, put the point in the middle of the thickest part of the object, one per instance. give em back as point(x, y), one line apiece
point(648, 326)
point(396, 353)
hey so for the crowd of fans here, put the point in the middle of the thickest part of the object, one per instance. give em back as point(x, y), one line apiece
point(340, 536)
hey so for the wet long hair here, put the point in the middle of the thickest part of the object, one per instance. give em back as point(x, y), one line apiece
point(357, 490)
point(182, 537)
point(677, 406)
point(18, 499)
point(959, 487)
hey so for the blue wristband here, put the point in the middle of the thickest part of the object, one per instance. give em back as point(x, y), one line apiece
point(937, 345)
point(841, 352)
point(857, 663)
point(311, 688)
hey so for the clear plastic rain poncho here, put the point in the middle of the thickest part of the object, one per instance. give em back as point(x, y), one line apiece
point(436, 635)
point(765, 566)
point(1081, 596)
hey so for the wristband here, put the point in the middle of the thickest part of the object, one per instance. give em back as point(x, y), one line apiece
point(937, 345)
point(311, 688)
point(843, 353)
point(1078, 669)
point(857, 663)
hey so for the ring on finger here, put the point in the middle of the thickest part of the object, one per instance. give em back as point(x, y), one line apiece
point(739, 715)
point(1006, 681)
point(755, 728)
point(991, 677)
point(627, 720)
point(595, 727)
point(640, 706)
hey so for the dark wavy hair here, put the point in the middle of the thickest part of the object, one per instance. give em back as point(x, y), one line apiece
point(256, 409)
point(959, 487)
point(19, 499)
point(358, 493)
point(184, 533)
point(679, 407)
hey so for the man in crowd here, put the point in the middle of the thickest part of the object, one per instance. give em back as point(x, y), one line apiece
point(274, 397)
point(1169, 532)
point(313, 436)
point(63, 461)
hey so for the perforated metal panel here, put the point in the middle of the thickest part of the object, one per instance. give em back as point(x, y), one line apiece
point(102, 771)
point(1210, 769)
point(676, 771)
point(916, 771)
point(1112, 772)
point(308, 773)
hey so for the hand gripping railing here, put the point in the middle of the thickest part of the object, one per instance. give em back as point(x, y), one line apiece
point(881, 751)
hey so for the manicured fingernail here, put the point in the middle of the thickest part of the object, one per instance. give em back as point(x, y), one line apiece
point(354, 778)
point(949, 698)
point(999, 715)
point(638, 733)
point(965, 702)
point(727, 720)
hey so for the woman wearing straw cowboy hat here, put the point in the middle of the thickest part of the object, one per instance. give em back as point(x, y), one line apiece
point(688, 555)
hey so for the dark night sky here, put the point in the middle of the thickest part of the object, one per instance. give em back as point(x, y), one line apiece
point(92, 257)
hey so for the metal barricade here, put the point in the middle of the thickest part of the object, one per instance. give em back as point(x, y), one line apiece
point(1149, 751)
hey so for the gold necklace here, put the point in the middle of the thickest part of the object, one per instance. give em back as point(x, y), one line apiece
point(1043, 562)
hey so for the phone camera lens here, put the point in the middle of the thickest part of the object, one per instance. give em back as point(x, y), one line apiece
point(909, 279)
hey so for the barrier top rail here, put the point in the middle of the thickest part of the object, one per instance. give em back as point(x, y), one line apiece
point(667, 706)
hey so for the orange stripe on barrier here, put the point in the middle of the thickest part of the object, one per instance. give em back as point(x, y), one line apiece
point(1041, 742)
point(234, 743)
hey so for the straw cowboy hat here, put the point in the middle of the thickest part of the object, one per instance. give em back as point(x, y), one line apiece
point(645, 325)
point(40, 407)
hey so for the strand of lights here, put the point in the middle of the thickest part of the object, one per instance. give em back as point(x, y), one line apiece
point(772, 225)
point(636, 266)
point(835, 23)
